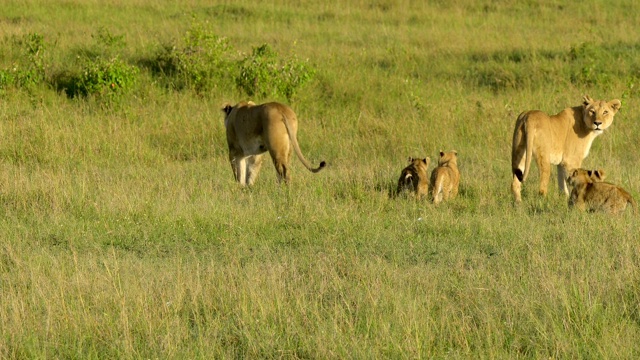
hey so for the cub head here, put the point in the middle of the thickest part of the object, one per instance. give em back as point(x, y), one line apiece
point(598, 114)
point(413, 173)
point(419, 165)
point(448, 157)
point(582, 176)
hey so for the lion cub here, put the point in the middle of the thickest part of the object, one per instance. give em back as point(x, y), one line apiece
point(592, 194)
point(414, 177)
point(445, 178)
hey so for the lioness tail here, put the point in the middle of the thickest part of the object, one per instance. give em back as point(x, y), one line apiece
point(296, 147)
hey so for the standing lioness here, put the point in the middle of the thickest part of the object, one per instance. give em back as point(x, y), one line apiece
point(563, 139)
point(253, 130)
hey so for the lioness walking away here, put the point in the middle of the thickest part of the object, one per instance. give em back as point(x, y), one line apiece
point(253, 130)
point(445, 178)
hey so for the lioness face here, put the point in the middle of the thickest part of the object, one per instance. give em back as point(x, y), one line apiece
point(598, 115)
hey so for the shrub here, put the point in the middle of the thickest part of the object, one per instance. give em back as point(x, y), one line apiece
point(29, 68)
point(201, 63)
point(98, 70)
point(263, 74)
point(102, 77)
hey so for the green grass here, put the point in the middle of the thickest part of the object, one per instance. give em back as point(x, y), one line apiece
point(123, 235)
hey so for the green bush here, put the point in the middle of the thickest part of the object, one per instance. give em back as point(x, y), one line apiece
point(29, 68)
point(263, 74)
point(201, 63)
point(102, 77)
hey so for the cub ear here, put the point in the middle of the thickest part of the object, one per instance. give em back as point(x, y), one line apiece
point(410, 159)
point(599, 174)
point(426, 160)
point(441, 153)
point(587, 100)
point(574, 172)
point(615, 105)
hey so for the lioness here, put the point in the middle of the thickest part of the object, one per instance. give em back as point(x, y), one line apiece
point(253, 130)
point(414, 177)
point(563, 139)
point(592, 194)
point(445, 178)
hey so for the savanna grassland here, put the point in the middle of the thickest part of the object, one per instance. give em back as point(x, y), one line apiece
point(123, 234)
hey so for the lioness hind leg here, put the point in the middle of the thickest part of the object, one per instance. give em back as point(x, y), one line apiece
point(282, 169)
point(238, 165)
point(281, 162)
point(254, 163)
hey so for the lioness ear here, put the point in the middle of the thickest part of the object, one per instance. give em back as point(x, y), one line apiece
point(615, 105)
point(227, 109)
point(587, 100)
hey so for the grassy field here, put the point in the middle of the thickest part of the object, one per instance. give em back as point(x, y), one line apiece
point(124, 236)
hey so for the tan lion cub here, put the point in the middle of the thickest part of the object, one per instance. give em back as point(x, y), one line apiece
point(414, 177)
point(594, 175)
point(445, 178)
point(592, 194)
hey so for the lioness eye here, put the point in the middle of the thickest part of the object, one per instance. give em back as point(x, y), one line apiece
point(605, 112)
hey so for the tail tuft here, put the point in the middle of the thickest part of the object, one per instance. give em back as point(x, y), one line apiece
point(518, 174)
point(322, 164)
